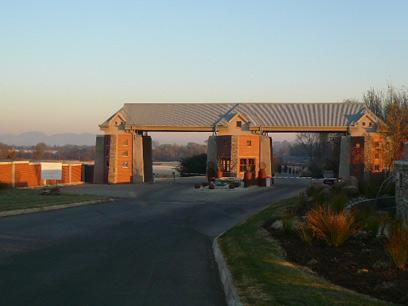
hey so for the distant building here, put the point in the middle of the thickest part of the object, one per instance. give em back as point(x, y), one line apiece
point(240, 140)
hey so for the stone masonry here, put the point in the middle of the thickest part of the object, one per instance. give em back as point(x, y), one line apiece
point(401, 189)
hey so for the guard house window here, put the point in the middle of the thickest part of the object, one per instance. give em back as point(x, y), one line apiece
point(364, 123)
point(125, 165)
point(225, 164)
point(126, 142)
point(249, 143)
point(239, 124)
point(246, 164)
point(377, 167)
point(125, 154)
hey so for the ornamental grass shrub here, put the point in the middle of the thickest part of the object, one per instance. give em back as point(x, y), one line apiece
point(338, 202)
point(288, 223)
point(335, 228)
point(396, 244)
point(305, 233)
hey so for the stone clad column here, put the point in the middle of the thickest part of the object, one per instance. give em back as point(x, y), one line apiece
point(147, 160)
point(113, 159)
point(345, 157)
point(138, 164)
point(266, 155)
point(401, 189)
point(99, 167)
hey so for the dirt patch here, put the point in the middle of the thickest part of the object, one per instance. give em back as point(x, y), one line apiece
point(360, 265)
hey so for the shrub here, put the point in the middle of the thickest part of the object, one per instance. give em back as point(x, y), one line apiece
point(3, 187)
point(338, 202)
point(396, 245)
point(369, 219)
point(288, 223)
point(372, 224)
point(195, 164)
point(305, 234)
point(318, 193)
point(372, 183)
point(335, 228)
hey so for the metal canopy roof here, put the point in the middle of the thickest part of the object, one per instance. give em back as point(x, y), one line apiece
point(265, 116)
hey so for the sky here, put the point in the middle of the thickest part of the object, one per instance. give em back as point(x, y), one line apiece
point(65, 66)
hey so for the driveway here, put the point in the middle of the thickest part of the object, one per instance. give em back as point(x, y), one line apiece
point(152, 246)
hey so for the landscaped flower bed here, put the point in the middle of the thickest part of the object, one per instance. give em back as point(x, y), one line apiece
point(359, 249)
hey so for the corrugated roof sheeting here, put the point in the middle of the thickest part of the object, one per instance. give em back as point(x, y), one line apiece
point(301, 114)
point(259, 114)
point(178, 114)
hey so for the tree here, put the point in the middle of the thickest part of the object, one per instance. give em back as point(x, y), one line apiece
point(392, 108)
point(39, 150)
point(4, 150)
point(196, 164)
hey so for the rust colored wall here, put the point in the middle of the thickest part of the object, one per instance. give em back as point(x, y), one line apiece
point(124, 145)
point(5, 174)
point(65, 175)
point(248, 151)
point(28, 175)
point(76, 174)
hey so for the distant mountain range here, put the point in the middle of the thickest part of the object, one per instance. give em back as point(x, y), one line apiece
point(32, 138)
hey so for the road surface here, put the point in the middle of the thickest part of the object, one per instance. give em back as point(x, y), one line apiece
point(152, 246)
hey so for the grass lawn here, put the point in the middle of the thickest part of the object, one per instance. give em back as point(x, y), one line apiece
point(11, 199)
point(263, 276)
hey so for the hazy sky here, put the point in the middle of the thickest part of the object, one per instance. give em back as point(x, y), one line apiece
point(65, 66)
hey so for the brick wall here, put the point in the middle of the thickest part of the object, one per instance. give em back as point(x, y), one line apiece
point(248, 148)
point(401, 189)
point(28, 174)
point(124, 158)
point(5, 173)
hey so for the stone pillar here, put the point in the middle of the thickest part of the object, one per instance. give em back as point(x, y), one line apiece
point(345, 157)
point(235, 155)
point(401, 189)
point(212, 152)
point(113, 159)
point(265, 159)
point(147, 160)
point(405, 155)
point(138, 163)
point(99, 167)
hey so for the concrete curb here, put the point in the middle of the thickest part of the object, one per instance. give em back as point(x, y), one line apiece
point(24, 211)
point(231, 293)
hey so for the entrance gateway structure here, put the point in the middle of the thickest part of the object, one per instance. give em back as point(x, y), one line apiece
point(240, 135)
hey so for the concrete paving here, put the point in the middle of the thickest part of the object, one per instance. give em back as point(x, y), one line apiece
point(152, 246)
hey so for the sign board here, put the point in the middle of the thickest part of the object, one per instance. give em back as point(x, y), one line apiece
point(51, 171)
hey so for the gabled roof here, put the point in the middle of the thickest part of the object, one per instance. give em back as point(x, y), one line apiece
point(208, 115)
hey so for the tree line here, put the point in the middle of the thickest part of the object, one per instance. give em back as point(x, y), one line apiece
point(41, 151)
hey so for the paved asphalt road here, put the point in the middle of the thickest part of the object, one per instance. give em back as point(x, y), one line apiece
point(152, 246)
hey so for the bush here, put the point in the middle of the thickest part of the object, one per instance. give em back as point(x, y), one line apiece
point(288, 223)
point(4, 187)
point(334, 228)
point(305, 234)
point(318, 193)
point(338, 202)
point(372, 183)
point(369, 219)
point(396, 245)
point(196, 164)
